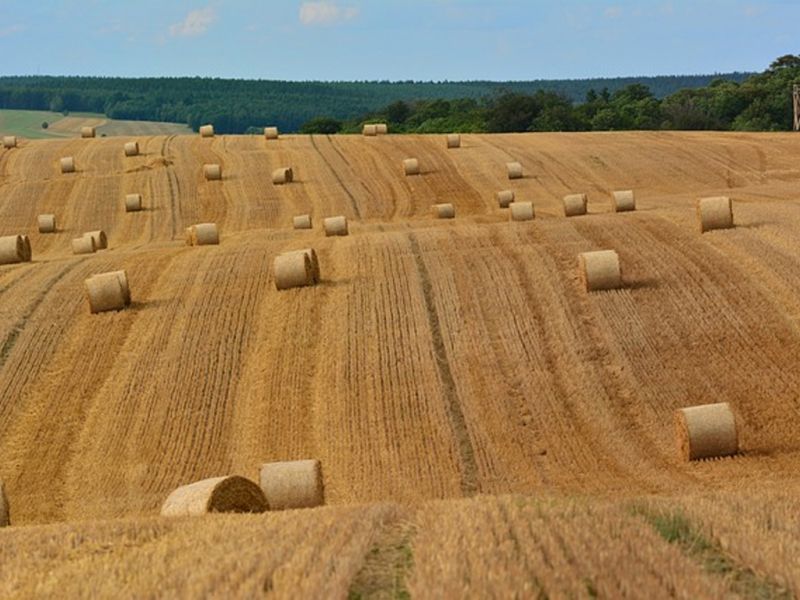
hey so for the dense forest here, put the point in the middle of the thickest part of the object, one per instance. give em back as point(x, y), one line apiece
point(234, 106)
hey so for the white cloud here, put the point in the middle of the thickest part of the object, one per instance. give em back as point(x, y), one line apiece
point(11, 30)
point(196, 22)
point(325, 13)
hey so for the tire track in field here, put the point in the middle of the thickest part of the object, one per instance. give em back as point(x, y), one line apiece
point(458, 424)
point(353, 201)
point(172, 182)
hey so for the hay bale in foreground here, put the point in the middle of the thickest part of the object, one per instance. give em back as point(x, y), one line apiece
point(706, 431)
point(293, 269)
point(335, 226)
point(411, 166)
point(122, 276)
point(13, 249)
point(131, 148)
point(575, 205)
point(622, 201)
point(67, 164)
point(600, 270)
point(206, 131)
point(514, 170)
point(133, 202)
point(453, 140)
point(5, 509)
point(370, 130)
point(100, 239)
point(47, 223)
point(212, 172)
point(271, 133)
point(233, 494)
point(9, 141)
point(292, 484)
point(521, 211)
point(505, 198)
point(83, 245)
point(282, 176)
point(202, 234)
point(301, 222)
point(87, 132)
point(105, 292)
point(444, 211)
point(312, 256)
point(715, 213)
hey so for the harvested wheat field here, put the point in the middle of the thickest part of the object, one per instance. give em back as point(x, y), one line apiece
point(484, 424)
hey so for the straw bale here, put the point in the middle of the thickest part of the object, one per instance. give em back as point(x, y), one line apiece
point(335, 226)
point(504, 198)
point(67, 164)
point(203, 234)
point(292, 484)
point(132, 149)
point(453, 140)
point(104, 293)
point(706, 431)
point(411, 166)
point(271, 133)
point(83, 245)
point(100, 239)
point(133, 202)
point(575, 205)
point(87, 132)
point(715, 213)
point(26, 248)
point(600, 270)
point(282, 176)
point(370, 130)
point(47, 223)
point(122, 276)
point(293, 269)
point(12, 249)
point(206, 131)
point(212, 172)
point(381, 128)
point(9, 141)
point(5, 510)
point(232, 494)
point(444, 211)
point(302, 222)
point(521, 211)
point(514, 170)
point(622, 201)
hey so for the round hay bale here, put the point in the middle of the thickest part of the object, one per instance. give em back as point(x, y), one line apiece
point(381, 128)
point(335, 226)
point(312, 256)
point(521, 211)
point(9, 141)
point(206, 131)
point(575, 205)
point(232, 494)
point(132, 149)
point(706, 431)
point(292, 484)
point(83, 245)
point(271, 133)
point(100, 239)
point(411, 166)
point(47, 223)
point(282, 176)
point(370, 130)
point(104, 293)
point(293, 269)
point(67, 164)
point(87, 132)
point(600, 270)
point(204, 234)
point(212, 172)
point(133, 202)
point(12, 249)
point(453, 140)
point(505, 198)
point(5, 509)
point(444, 211)
point(715, 213)
point(514, 170)
point(122, 276)
point(302, 222)
point(623, 201)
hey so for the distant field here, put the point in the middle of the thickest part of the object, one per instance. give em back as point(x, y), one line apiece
point(28, 124)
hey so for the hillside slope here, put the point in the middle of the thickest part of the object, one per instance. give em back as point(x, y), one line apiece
point(436, 360)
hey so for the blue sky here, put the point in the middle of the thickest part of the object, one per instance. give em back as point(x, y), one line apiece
point(393, 39)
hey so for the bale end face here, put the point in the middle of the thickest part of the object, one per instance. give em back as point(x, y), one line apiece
point(133, 202)
point(292, 484)
point(132, 149)
point(521, 211)
point(232, 494)
point(411, 166)
point(293, 269)
point(706, 431)
point(514, 170)
point(302, 222)
point(5, 509)
point(575, 205)
point(282, 176)
point(600, 270)
point(622, 201)
point(212, 172)
point(715, 213)
point(335, 226)
point(444, 211)
point(47, 223)
point(100, 238)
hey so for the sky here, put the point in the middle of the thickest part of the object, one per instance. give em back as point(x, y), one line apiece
point(394, 39)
